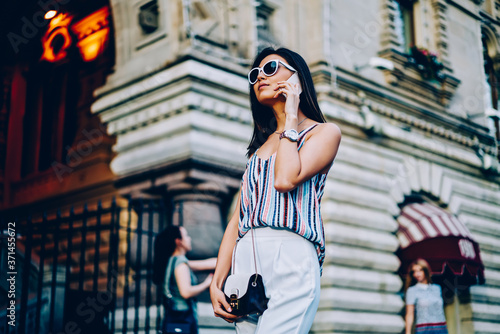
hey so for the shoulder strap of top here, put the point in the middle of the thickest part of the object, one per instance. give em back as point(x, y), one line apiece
point(170, 272)
point(303, 135)
point(170, 269)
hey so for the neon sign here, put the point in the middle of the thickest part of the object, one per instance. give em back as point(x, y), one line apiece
point(92, 33)
point(57, 39)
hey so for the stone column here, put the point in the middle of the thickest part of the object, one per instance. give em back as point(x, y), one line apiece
point(199, 209)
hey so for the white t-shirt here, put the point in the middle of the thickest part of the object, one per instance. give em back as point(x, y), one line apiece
point(428, 302)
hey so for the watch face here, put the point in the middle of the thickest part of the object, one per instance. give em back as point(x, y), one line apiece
point(292, 134)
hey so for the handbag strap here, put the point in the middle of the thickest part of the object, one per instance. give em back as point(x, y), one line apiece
point(254, 256)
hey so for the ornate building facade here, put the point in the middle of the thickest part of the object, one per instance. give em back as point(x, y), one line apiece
point(411, 83)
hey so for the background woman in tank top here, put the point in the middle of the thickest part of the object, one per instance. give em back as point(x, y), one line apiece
point(290, 153)
point(174, 273)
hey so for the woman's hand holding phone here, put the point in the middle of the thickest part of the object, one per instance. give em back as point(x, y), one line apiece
point(291, 90)
point(294, 79)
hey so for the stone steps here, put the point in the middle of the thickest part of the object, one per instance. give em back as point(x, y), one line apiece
point(485, 294)
point(360, 279)
point(361, 301)
point(357, 322)
point(492, 277)
point(485, 311)
point(360, 237)
point(347, 213)
point(483, 327)
point(362, 258)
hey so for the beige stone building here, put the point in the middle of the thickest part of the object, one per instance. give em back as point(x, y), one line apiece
point(411, 83)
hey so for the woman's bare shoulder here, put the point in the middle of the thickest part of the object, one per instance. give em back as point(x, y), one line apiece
point(328, 131)
point(330, 128)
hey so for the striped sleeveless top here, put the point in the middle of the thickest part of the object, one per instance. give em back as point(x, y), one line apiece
point(298, 210)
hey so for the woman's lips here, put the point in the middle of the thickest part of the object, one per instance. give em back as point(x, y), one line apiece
point(262, 85)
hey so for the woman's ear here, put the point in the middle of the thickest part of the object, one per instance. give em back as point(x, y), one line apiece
point(178, 242)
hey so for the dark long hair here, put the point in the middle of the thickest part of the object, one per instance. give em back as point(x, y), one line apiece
point(164, 247)
point(263, 116)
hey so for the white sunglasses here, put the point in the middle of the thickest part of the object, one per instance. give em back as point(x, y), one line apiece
point(269, 69)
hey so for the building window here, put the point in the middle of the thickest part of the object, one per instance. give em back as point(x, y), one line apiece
point(265, 36)
point(148, 17)
point(74, 52)
point(50, 117)
point(491, 93)
point(404, 23)
point(491, 88)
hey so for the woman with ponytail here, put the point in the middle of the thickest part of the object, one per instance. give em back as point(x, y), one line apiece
point(174, 272)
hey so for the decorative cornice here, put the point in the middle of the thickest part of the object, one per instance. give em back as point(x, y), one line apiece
point(467, 11)
point(148, 116)
point(108, 102)
point(413, 121)
point(406, 76)
point(488, 20)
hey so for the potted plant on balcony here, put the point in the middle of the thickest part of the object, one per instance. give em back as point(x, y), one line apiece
point(427, 63)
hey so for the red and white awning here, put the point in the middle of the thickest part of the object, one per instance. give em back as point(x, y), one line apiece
point(421, 221)
point(429, 232)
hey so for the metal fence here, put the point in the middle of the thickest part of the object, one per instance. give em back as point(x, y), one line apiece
point(87, 269)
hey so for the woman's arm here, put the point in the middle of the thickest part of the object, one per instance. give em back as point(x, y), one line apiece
point(410, 315)
point(219, 303)
point(183, 278)
point(199, 265)
point(294, 167)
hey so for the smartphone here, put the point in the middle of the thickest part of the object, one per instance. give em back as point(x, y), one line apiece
point(295, 80)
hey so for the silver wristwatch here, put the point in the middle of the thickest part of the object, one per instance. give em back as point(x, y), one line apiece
point(291, 135)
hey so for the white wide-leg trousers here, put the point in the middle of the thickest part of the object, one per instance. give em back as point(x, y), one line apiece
point(289, 267)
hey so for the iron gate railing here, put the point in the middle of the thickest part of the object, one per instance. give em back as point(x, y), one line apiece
point(88, 269)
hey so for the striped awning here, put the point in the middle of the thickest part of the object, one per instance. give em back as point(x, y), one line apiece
point(421, 221)
point(429, 232)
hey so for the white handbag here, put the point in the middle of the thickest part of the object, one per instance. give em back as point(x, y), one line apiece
point(245, 292)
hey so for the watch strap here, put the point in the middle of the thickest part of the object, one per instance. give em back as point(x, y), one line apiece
point(285, 135)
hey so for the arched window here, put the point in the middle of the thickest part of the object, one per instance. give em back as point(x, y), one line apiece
point(491, 84)
point(491, 99)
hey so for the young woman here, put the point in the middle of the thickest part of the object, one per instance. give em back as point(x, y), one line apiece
point(173, 271)
point(423, 299)
point(290, 154)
